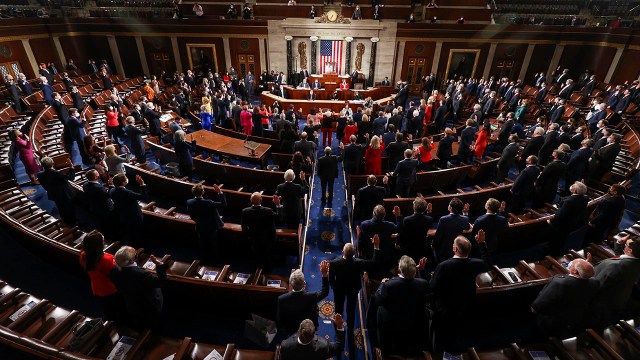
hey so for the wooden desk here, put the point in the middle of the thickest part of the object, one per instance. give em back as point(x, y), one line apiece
point(224, 145)
point(164, 122)
point(335, 105)
point(325, 94)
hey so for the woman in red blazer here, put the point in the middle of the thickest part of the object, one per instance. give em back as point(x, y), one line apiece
point(373, 157)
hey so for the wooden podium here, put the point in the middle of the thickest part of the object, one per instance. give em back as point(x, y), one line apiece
point(330, 81)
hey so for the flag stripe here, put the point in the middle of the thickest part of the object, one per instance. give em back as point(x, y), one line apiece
point(331, 51)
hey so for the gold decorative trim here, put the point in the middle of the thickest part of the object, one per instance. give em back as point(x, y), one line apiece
point(212, 46)
point(514, 41)
point(475, 60)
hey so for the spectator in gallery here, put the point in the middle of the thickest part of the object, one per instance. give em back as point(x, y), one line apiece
point(232, 13)
point(357, 13)
point(312, 12)
point(432, 4)
point(246, 12)
point(461, 20)
point(291, 3)
point(377, 14)
point(434, 20)
point(197, 9)
point(411, 18)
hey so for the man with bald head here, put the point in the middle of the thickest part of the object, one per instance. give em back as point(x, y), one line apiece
point(561, 307)
point(259, 227)
point(345, 279)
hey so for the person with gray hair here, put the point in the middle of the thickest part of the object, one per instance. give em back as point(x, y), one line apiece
point(412, 237)
point(56, 183)
point(305, 344)
point(405, 173)
point(183, 151)
point(493, 223)
point(571, 214)
point(328, 172)
point(562, 306)
point(299, 304)
point(141, 289)
point(401, 310)
point(377, 225)
point(292, 198)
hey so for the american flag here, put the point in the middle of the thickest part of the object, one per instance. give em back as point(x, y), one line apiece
point(331, 51)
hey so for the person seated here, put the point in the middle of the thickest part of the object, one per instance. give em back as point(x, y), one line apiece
point(334, 96)
point(304, 84)
point(305, 344)
point(316, 85)
point(311, 95)
point(386, 81)
point(344, 85)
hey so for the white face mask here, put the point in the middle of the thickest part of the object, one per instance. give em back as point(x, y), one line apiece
point(609, 141)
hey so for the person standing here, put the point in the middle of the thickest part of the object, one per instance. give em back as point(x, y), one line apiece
point(405, 173)
point(328, 172)
point(127, 208)
point(59, 190)
point(373, 157)
point(140, 288)
point(305, 344)
point(100, 202)
point(607, 216)
point(449, 227)
point(524, 186)
point(570, 214)
point(204, 212)
point(259, 227)
point(22, 144)
point(292, 195)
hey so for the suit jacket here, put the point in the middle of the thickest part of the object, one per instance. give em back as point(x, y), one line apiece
point(550, 175)
point(566, 91)
point(25, 87)
point(564, 300)
point(555, 114)
point(413, 235)
point(367, 198)
point(603, 159)
point(295, 306)
point(57, 184)
point(576, 141)
point(318, 349)
point(401, 304)
point(76, 128)
point(153, 117)
point(405, 171)
point(384, 229)
point(623, 104)
point(532, 147)
point(588, 88)
point(449, 226)
point(140, 289)
point(551, 142)
point(126, 204)
point(305, 147)
point(402, 96)
point(608, 212)
point(616, 278)
point(395, 150)
point(204, 212)
point(345, 275)
point(487, 109)
point(467, 136)
point(328, 167)
point(542, 93)
point(291, 194)
point(259, 224)
point(445, 149)
point(509, 156)
point(524, 184)
point(494, 226)
point(505, 131)
point(100, 203)
point(571, 212)
point(454, 285)
point(578, 162)
point(353, 157)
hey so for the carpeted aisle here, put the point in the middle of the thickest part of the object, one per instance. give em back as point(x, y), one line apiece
point(328, 230)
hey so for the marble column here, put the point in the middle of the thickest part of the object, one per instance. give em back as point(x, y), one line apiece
point(526, 62)
point(142, 55)
point(115, 54)
point(372, 67)
point(487, 65)
point(176, 53)
point(289, 39)
point(347, 57)
point(58, 46)
point(314, 52)
point(555, 60)
point(436, 58)
point(614, 64)
point(227, 54)
point(32, 58)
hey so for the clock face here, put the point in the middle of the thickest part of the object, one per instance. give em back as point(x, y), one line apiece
point(332, 15)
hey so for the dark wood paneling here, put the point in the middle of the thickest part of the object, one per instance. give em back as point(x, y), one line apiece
point(44, 51)
point(17, 54)
point(245, 46)
point(83, 48)
point(577, 58)
point(444, 57)
point(540, 58)
point(628, 69)
point(184, 57)
point(513, 52)
point(158, 44)
point(417, 49)
point(129, 55)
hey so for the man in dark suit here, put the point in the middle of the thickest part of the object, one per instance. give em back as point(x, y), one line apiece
point(141, 289)
point(621, 107)
point(493, 224)
point(153, 118)
point(301, 304)
point(508, 159)
point(405, 173)
point(292, 195)
point(454, 288)
point(46, 73)
point(577, 166)
point(259, 227)
point(587, 89)
point(204, 212)
point(75, 127)
point(515, 100)
point(606, 216)
point(63, 115)
point(401, 316)
point(445, 148)
point(24, 85)
point(396, 150)
point(617, 278)
point(107, 84)
point(467, 137)
point(551, 142)
point(47, 91)
point(487, 109)
point(304, 74)
point(127, 208)
point(328, 172)
point(14, 93)
point(595, 116)
point(59, 190)
point(305, 344)
point(345, 277)
point(402, 95)
point(570, 215)
point(377, 225)
point(505, 130)
point(369, 196)
point(524, 185)
point(352, 156)
point(99, 201)
point(577, 138)
point(561, 308)
point(311, 95)
point(547, 182)
point(557, 111)
point(533, 146)
point(449, 227)
point(306, 147)
point(567, 90)
point(542, 94)
point(316, 85)
point(412, 237)
point(602, 160)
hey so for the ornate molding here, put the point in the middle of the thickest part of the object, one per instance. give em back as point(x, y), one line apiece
point(340, 20)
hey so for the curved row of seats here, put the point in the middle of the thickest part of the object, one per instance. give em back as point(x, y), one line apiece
point(40, 328)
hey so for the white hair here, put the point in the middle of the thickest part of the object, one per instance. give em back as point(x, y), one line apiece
point(289, 175)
